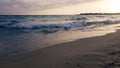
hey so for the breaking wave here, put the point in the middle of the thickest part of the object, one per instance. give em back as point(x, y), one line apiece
point(24, 22)
point(65, 26)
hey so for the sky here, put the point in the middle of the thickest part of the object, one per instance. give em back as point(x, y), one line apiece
point(54, 7)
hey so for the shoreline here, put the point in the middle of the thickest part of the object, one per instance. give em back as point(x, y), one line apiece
point(73, 54)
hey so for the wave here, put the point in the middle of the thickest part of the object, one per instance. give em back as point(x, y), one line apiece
point(51, 24)
point(66, 26)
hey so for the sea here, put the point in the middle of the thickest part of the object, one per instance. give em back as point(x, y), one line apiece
point(25, 33)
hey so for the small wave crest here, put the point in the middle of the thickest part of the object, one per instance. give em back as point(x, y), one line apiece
point(64, 26)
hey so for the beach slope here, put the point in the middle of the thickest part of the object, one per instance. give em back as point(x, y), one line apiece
point(96, 52)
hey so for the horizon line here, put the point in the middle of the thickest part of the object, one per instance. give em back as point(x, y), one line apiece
point(68, 14)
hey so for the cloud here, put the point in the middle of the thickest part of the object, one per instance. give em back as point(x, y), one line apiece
point(18, 6)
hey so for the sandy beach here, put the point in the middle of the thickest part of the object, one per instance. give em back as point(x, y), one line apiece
point(59, 33)
point(96, 52)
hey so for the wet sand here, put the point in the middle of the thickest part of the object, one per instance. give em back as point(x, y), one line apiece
point(96, 52)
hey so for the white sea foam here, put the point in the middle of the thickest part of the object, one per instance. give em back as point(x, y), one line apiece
point(20, 34)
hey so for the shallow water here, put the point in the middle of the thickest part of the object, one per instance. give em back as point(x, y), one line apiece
point(20, 34)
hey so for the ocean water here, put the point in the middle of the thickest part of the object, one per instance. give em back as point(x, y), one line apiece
point(25, 33)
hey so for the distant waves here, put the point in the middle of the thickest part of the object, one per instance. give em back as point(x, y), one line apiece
point(51, 28)
point(51, 24)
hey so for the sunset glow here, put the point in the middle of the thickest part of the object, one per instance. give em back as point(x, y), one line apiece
point(114, 5)
point(52, 7)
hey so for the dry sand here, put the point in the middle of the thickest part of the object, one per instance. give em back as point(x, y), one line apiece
point(96, 52)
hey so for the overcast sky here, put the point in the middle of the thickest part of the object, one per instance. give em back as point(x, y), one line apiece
point(50, 6)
